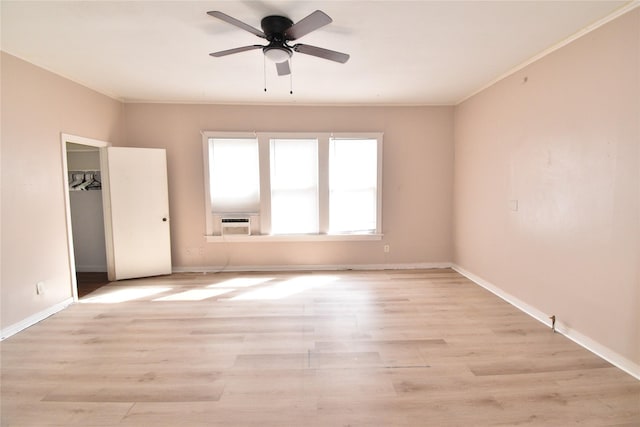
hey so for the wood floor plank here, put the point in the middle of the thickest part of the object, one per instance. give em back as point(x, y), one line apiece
point(360, 348)
point(139, 391)
point(60, 414)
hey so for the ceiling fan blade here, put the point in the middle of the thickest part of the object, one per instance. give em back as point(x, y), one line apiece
point(310, 23)
point(237, 23)
point(235, 50)
point(283, 68)
point(331, 55)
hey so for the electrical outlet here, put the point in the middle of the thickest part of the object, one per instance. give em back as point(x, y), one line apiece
point(387, 249)
point(40, 288)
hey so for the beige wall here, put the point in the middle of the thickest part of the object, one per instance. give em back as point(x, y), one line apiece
point(36, 107)
point(417, 175)
point(562, 138)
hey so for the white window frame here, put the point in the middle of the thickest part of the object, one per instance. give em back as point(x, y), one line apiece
point(262, 222)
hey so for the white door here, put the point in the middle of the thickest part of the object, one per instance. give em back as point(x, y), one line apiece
point(136, 207)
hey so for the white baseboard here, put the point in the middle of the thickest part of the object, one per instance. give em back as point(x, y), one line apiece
point(33, 319)
point(310, 267)
point(521, 305)
point(595, 347)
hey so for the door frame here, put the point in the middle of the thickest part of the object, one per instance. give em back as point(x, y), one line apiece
point(64, 138)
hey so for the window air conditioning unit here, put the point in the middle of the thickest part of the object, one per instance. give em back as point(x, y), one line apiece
point(236, 226)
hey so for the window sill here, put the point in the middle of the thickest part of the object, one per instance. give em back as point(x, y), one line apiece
point(295, 238)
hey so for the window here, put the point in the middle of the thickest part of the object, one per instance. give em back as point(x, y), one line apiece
point(353, 185)
point(294, 186)
point(234, 178)
point(302, 186)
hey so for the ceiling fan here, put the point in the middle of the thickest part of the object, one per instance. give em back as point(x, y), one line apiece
point(279, 31)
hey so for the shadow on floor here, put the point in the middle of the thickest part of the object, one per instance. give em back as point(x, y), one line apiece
point(90, 281)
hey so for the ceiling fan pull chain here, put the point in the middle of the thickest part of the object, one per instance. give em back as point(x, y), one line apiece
point(291, 77)
point(265, 71)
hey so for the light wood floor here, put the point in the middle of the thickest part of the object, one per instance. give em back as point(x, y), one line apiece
point(385, 348)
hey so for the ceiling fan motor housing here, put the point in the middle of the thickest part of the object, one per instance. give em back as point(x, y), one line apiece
point(274, 27)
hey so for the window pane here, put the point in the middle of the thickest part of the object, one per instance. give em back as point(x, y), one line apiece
point(234, 175)
point(353, 180)
point(294, 186)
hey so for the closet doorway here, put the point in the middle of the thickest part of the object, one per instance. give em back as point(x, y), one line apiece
point(85, 217)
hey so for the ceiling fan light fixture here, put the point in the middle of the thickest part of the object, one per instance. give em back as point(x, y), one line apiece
point(277, 54)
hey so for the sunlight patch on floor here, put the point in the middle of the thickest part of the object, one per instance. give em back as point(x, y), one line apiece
point(285, 289)
point(261, 289)
point(123, 295)
point(195, 295)
point(241, 282)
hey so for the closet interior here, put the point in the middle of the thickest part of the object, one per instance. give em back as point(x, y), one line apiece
point(87, 219)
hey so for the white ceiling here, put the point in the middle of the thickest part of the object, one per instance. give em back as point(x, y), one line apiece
point(402, 52)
